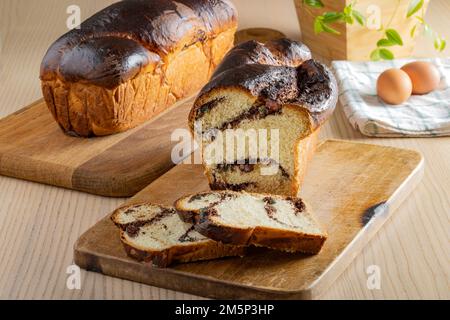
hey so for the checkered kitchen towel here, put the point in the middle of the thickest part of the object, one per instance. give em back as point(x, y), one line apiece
point(421, 116)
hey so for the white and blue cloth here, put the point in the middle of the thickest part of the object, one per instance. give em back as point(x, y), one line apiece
point(421, 116)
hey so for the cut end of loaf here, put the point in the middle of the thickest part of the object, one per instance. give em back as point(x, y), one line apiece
point(282, 129)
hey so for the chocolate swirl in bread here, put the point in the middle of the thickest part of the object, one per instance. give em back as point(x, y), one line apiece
point(281, 71)
point(240, 218)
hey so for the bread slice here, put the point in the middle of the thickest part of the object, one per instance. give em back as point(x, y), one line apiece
point(155, 233)
point(240, 218)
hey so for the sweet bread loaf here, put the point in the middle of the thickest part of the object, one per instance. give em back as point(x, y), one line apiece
point(240, 218)
point(156, 234)
point(275, 87)
point(132, 60)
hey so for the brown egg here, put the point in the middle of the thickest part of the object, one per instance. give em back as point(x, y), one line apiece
point(394, 86)
point(424, 76)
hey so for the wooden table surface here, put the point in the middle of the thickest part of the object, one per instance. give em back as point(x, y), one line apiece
point(39, 224)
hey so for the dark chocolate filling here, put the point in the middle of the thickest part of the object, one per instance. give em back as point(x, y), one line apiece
point(269, 200)
point(205, 213)
point(249, 166)
point(298, 204)
point(132, 209)
point(260, 110)
point(217, 185)
point(208, 107)
point(132, 228)
point(271, 210)
point(186, 237)
point(223, 196)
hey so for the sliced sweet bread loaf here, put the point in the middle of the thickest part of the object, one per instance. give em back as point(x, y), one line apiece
point(275, 87)
point(240, 218)
point(156, 234)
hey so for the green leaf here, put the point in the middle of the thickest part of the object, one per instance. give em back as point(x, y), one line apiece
point(329, 29)
point(375, 55)
point(349, 19)
point(386, 54)
point(413, 31)
point(393, 36)
point(420, 19)
point(414, 6)
point(348, 14)
point(348, 10)
point(385, 43)
point(443, 45)
point(359, 17)
point(439, 44)
point(314, 3)
point(318, 25)
point(330, 17)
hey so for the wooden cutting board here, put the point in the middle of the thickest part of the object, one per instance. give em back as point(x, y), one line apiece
point(354, 188)
point(33, 147)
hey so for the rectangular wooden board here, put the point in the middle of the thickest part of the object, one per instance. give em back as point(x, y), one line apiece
point(353, 188)
point(33, 147)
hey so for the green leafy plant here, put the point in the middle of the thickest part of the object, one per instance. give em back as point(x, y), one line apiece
point(322, 23)
point(392, 38)
point(414, 7)
point(327, 21)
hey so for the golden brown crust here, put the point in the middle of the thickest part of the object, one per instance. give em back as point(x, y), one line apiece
point(304, 151)
point(287, 241)
point(222, 233)
point(132, 60)
point(206, 250)
point(273, 238)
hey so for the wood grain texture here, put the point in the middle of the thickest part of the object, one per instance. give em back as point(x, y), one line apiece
point(41, 223)
point(33, 147)
point(353, 189)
